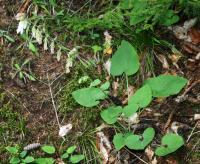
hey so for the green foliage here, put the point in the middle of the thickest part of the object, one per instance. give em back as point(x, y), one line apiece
point(71, 149)
point(190, 7)
point(145, 14)
point(125, 60)
point(23, 157)
point(142, 97)
point(170, 143)
point(6, 36)
point(18, 157)
point(119, 140)
point(68, 155)
point(137, 142)
point(20, 70)
point(76, 158)
point(48, 149)
point(44, 161)
point(166, 85)
point(12, 150)
point(111, 114)
point(130, 109)
point(89, 97)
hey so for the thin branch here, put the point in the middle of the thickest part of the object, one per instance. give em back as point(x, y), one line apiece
point(53, 102)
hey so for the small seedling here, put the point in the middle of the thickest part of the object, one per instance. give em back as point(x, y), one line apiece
point(19, 69)
point(68, 155)
point(19, 157)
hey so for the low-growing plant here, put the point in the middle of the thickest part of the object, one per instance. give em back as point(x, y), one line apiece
point(126, 61)
point(20, 71)
point(17, 156)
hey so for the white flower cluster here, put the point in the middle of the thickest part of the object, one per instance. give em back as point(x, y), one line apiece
point(23, 22)
point(71, 56)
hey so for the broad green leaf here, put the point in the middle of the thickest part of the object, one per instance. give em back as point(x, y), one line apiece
point(119, 140)
point(65, 155)
point(71, 149)
point(89, 97)
point(170, 143)
point(142, 97)
point(14, 160)
point(137, 142)
point(28, 159)
point(130, 109)
point(12, 150)
point(105, 86)
point(48, 149)
point(125, 60)
point(166, 85)
point(76, 158)
point(111, 114)
point(44, 161)
point(95, 83)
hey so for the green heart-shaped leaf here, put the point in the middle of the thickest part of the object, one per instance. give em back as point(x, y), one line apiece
point(130, 109)
point(111, 114)
point(170, 143)
point(125, 60)
point(166, 85)
point(142, 97)
point(137, 142)
point(88, 97)
point(48, 149)
point(119, 140)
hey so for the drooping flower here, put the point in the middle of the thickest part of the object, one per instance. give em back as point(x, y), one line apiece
point(38, 36)
point(22, 26)
point(23, 22)
point(52, 47)
point(45, 43)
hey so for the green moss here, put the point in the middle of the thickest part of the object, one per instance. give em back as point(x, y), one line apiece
point(10, 125)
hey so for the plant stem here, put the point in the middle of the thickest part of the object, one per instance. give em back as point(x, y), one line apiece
point(53, 102)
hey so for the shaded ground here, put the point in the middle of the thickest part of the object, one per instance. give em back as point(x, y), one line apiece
point(30, 106)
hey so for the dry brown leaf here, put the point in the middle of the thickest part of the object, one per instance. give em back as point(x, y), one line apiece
point(194, 34)
point(115, 86)
point(149, 152)
point(103, 146)
point(163, 60)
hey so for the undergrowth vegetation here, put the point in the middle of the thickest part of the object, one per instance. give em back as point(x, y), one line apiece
point(103, 48)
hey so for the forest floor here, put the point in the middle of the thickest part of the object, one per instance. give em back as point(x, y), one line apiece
point(27, 108)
